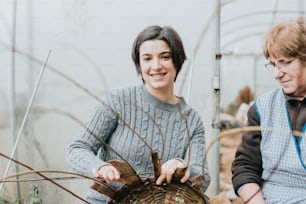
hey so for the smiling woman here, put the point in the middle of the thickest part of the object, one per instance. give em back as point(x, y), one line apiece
point(133, 122)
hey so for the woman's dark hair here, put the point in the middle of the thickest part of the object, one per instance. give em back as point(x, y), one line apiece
point(167, 34)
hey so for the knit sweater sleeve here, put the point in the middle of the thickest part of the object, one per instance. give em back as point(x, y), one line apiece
point(81, 154)
point(197, 150)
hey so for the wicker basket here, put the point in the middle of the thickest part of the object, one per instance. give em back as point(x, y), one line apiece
point(138, 191)
point(149, 192)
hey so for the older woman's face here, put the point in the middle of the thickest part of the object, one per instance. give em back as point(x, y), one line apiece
point(290, 73)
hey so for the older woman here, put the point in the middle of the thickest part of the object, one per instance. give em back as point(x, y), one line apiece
point(270, 165)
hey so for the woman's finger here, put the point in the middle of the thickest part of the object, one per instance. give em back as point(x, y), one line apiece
point(160, 179)
point(185, 177)
point(169, 174)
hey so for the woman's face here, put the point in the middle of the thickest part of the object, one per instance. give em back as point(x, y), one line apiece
point(157, 67)
point(291, 75)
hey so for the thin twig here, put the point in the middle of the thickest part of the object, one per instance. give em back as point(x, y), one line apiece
point(47, 178)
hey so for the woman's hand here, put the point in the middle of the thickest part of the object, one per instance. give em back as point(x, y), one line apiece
point(250, 193)
point(109, 173)
point(168, 169)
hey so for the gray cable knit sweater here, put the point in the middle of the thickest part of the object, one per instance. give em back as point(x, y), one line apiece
point(134, 111)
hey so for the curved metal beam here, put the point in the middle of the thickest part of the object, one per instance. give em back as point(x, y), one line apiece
point(242, 37)
point(261, 13)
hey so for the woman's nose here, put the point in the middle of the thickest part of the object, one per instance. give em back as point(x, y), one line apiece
point(156, 64)
point(277, 73)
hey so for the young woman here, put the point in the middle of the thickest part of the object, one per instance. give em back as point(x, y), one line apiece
point(151, 111)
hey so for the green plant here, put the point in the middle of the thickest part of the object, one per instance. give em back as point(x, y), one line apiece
point(3, 201)
point(17, 201)
point(33, 198)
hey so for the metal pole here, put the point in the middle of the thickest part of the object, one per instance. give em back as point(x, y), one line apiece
point(256, 58)
point(190, 78)
point(13, 88)
point(216, 87)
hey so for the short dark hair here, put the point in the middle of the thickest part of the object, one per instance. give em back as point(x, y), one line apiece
point(167, 34)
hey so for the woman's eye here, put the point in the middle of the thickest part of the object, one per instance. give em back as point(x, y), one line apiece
point(166, 57)
point(285, 62)
point(145, 59)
